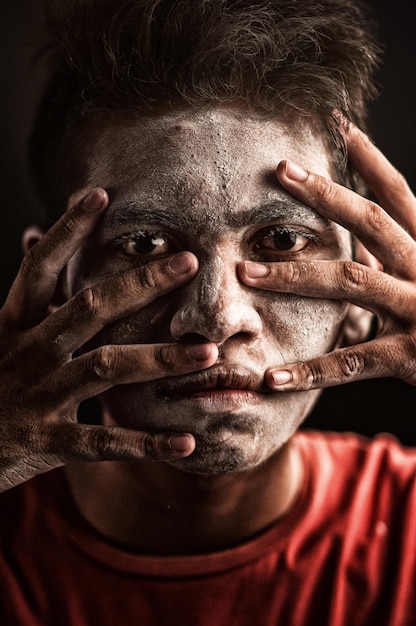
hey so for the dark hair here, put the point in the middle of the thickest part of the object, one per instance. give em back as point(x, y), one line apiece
point(278, 57)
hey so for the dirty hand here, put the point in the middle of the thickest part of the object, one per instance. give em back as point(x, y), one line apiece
point(388, 291)
point(42, 382)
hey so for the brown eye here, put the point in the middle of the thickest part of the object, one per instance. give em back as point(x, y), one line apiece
point(283, 240)
point(143, 243)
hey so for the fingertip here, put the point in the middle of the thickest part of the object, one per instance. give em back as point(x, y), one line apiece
point(183, 263)
point(277, 379)
point(95, 200)
point(184, 444)
point(295, 172)
point(281, 169)
point(289, 170)
point(201, 352)
point(252, 269)
point(357, 140)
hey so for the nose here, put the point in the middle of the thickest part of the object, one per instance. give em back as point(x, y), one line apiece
point(216, 305)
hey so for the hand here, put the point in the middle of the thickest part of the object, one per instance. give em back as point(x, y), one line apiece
point(388, 290)
point(42, 385)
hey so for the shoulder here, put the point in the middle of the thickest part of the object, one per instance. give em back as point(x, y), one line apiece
point(356, 451)
point(351, 472)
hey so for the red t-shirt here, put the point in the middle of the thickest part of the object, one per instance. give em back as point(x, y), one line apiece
point(344, 555)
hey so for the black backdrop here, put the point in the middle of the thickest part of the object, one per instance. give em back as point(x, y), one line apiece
point(368, 407)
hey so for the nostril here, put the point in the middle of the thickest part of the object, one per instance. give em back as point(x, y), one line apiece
point(215, 321)
point(193, 338)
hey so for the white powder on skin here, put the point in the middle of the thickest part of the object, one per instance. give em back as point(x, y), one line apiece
point(209, 169)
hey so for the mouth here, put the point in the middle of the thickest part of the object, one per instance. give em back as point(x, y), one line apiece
point(220, 381)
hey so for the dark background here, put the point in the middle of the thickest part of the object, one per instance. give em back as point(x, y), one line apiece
point(368, 407)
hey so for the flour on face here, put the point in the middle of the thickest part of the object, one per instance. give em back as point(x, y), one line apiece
point(204, 181)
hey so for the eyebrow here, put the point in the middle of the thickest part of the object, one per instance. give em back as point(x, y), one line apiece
point(280, 210)
point(287, 209)
point(135, 213)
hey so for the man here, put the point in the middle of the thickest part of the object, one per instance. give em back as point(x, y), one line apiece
point(205, 297)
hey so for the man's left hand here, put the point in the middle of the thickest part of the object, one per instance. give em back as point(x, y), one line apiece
point(389, 292)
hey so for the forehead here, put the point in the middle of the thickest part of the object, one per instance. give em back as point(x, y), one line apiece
point(219, 162)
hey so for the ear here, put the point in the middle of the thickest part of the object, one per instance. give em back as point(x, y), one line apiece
point(359, 322)
point(357, 326)
point(30, 237)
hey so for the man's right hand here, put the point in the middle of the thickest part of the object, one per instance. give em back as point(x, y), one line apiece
point(42, 383)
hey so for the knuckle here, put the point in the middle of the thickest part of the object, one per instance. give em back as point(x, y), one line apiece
point(294, 272)
point(311, 375)
point(133, 284)
point(102, 441)
point(324, 190)
point(87, 303)
point(103, 363)
point(108, 443)
point(164, 357)
point(344, 365)
point(67, 221)
point(150, 447)
point(354, 275)
point(351, 363)
point(146, 276)
point(72, 442)
point(375, 217)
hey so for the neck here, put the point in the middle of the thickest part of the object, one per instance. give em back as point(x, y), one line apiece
point(155, 509)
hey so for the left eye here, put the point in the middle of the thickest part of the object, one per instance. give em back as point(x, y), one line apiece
point(283, 240)
point(144, 243)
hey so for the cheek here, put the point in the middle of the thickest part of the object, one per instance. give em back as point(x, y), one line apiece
point(303, 327)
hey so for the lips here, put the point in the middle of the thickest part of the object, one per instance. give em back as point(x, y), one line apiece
point(214, 379)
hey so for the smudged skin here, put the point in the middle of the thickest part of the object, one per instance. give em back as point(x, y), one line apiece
point(204, 182)
point(194, 201)
point(386, 287)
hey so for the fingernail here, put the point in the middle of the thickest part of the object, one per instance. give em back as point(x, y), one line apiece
point(281, 377)
point(182, 263)
point(257, 270)
point(94, 200)
point(182, 443)
point(295, 172)
point(198, 351)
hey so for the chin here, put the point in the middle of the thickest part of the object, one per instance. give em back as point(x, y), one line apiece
point(236, 455)
point(205, 461)
point(226, 443)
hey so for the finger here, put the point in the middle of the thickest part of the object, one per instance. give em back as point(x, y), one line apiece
point(374, 359)
point(68, 442)
point(340, 280)
point(373, 226)
point(111, 365)
point(387, 183)
point(33, 289)
point(91, 309)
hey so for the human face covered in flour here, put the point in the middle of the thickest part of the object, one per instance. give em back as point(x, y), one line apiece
point(203, 181)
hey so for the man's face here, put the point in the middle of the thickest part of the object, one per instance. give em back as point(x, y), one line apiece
point(204, 182)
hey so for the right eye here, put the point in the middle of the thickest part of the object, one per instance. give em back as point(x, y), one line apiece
point(144, 243)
